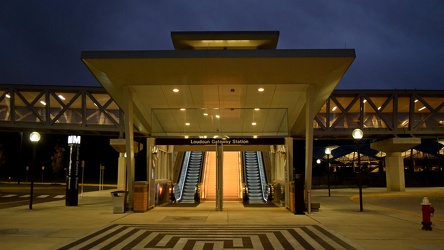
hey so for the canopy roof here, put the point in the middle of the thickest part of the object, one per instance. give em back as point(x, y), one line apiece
point(223, 84)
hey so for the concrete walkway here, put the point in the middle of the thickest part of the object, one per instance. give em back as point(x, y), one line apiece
point(389, 220)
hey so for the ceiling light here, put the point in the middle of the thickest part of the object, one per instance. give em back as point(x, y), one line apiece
point(205, 114)
point(421, 108)
point(215, 136)
point(379, 107)
point(217, 116)
point(61, 97)
point(8, 96)
point(334, 108)
point(182, 109)
point(365, 100)
point(416, 100)
point(42, 102)
point(254, 136)
point(260, 89)
point(253, 123)
point(185, 136)
point(187, 124)
point(257, 109)
point(175, 90)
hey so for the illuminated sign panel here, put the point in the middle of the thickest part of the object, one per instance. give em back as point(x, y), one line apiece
point(73, 139)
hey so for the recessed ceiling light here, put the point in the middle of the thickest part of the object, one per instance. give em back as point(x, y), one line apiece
point(182, 109)
point(185, 136)
point(187, 124)
point(217, 116)
point(175, 90)
point(254, 136)
point(205, 114)
point(257, 109)
point(253, 123)
point(260, 89)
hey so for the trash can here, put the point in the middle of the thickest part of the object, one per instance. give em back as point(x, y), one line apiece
point(119, 200)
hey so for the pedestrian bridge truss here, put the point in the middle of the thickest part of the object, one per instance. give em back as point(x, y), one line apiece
point(386, 112)
point(91, 110)
point(58, 109)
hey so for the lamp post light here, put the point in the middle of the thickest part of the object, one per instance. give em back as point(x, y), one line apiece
point(34, 137)
point(357, 135)
point(328, 153)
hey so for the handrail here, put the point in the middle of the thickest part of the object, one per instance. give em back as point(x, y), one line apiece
point(183, 173)
point(264, 184)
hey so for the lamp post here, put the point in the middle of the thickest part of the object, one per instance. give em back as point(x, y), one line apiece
point(34, 137)
point(43, 170)
point(328, 153)
point(357, 135)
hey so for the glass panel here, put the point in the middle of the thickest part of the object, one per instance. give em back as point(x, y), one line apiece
point(5, 106)
point(403, 112)
point(73, 114)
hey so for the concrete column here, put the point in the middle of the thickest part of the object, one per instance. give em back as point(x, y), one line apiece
point(288, 168)
point(121, 172)
point(309, 116)
point(395, 178)
point(151, 166)
point(129, 144)
point(394, 163)
point(273, 164)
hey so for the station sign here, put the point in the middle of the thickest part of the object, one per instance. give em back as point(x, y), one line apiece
point(218, 141)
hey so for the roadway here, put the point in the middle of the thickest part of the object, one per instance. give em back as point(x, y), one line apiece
point(14, 195)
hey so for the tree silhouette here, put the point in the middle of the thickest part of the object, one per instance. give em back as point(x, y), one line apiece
point(57, 160)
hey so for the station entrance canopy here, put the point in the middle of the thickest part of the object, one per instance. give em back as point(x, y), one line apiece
point(218, 76)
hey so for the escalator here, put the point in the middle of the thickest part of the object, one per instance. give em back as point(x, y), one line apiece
point(254, 177)
point(190, 176)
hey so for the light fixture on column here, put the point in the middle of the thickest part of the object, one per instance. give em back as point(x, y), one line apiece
point(34, 137)
point(328, 153)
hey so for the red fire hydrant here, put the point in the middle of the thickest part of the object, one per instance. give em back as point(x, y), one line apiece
point(427, 214)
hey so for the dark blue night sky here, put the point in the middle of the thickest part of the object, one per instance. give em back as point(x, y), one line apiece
point(399, 44)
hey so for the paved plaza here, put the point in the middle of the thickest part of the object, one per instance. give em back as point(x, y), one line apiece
point(389, 221)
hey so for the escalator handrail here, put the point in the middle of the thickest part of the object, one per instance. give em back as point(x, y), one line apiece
point(263, 179)
point(183, 174)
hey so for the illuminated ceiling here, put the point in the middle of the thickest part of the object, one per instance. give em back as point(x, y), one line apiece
point(225, 80)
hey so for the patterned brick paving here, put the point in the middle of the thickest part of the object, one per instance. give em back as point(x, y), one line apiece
point(202, 236)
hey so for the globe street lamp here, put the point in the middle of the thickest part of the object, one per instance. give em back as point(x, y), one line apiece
point(357, 135)
point(328, 153)
point(34, 137)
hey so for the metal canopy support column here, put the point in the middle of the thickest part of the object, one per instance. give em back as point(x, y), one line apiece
point(129, 141)
point(219, 177)
point(309, 115)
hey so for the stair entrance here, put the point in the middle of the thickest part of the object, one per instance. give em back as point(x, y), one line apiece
point(231, 176)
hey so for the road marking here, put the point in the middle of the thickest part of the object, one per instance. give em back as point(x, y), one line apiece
point(42, 196)
point(59, 196)
point(25, 196)
point(9, 195)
